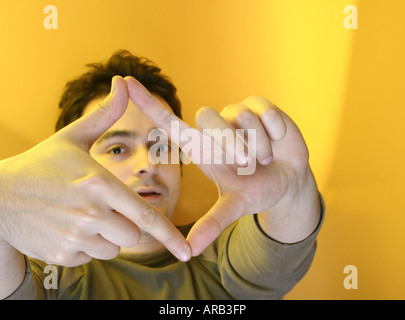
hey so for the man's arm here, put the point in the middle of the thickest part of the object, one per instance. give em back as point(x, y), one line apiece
point(59, 205)
point(280, 187)
point(12, 264)
point(296, 216)
point(253, 266)
point(12, 269)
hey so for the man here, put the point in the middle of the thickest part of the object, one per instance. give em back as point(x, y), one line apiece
point(115, 242)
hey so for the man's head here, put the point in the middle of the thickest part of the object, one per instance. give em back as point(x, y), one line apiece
point(123, 148)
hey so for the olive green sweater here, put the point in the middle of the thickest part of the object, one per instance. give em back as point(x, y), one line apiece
point(243, 263)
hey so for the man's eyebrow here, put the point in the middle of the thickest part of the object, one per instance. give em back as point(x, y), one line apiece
point(116, 133)
point(157, 132)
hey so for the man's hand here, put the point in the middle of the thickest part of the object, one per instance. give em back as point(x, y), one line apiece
point(281, 188)
point(60, 206)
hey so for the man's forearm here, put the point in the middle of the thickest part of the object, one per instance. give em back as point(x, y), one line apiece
point(12, 269)
point(295, 217)
point(12, 262)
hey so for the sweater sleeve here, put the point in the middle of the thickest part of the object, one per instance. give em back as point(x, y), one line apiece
point(26, 290)
point(254, 266)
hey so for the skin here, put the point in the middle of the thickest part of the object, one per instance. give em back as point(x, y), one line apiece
point(59, 205)
point(66, 200)
point(282, 190)
point(123, 150)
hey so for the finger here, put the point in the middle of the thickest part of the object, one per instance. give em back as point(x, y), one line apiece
point(115, 228)
point(209, 120)
point(269, 115)
point(242, 117)
point(224, 212)
point(119, 198)
point(57, 257)
point(67, 259)
point(149, 219)
point(100, 248)
point(95, 232)
point(156, 224)
point(125, 234)
point(153, 108)
point(87, 129)
point(178, 131)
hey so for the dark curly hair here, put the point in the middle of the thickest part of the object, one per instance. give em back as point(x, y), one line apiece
point(97, 82)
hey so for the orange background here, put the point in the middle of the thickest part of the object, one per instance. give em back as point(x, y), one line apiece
point(344, 88)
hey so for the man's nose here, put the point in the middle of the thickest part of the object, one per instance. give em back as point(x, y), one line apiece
point(143, 167)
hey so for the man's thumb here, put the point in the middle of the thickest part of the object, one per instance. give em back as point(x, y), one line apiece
point(224, 212)
point(87, 129)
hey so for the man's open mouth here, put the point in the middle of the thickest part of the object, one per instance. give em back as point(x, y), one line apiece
point(149, 193)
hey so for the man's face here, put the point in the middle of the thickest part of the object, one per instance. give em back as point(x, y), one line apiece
point(123, 150)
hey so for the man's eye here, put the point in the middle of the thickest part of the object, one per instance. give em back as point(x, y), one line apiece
point(162, 147)
point(116, 150)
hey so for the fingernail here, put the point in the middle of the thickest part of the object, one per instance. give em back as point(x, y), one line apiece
point(113, 84)
point(242, 160)
point(267, 160)
point(184, 254)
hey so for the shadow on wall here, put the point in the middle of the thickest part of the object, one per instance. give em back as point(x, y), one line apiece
point(365, 201)
point(368, 172)
point(366, 185)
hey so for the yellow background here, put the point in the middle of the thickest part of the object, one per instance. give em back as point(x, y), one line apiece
point(344, 88)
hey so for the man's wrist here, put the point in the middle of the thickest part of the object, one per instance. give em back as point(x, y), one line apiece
point(295, 216)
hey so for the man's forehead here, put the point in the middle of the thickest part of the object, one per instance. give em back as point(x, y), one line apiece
point(117, 133)
point(93, 103)
point(131, 134)
point(133, 124)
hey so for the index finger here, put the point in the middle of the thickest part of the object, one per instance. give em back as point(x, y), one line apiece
point(178, 131)
point(148, 218)
point(154, 109)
